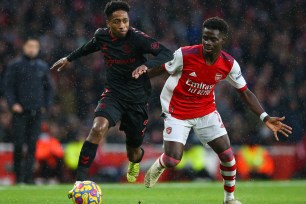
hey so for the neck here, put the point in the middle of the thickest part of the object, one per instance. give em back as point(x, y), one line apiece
point(211, 57)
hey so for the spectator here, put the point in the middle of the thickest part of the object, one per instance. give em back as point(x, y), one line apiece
point(28, 93)
point(254, 161)
point(49, 154)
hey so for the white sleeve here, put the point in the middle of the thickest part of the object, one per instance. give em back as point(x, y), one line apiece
point(235, 77)
point(176, 64)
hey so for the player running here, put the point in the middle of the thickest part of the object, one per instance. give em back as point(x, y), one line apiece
point(188, 101)
point(124, 98)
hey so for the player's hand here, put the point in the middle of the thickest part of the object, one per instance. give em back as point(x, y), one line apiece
point(139, 71)
point(17, 108)
point(275, 125)
point(60, 64)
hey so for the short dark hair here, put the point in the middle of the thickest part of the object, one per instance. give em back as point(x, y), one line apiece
point(113, 6)
point(217, 23)
point(28, 38)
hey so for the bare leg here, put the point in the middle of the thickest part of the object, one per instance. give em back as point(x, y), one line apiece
point(172, 156)
point(220, 144)
point(174, 149)
point(134, 153)
point(98, 131)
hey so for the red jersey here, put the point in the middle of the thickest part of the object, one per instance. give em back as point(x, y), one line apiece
point(189, 91)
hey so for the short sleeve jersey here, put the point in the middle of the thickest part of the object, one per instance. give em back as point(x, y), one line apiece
point(189, 91)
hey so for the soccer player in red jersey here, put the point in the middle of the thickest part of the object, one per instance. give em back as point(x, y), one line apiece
point(188, 101)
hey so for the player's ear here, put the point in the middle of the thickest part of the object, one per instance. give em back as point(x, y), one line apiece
point(107, 23)
point(224, 39)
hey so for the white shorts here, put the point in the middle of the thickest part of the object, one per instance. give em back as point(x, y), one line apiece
point(207, 128)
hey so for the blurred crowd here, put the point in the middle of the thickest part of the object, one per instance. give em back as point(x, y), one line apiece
point(268, 39)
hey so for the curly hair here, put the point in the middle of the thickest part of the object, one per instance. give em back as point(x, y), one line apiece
point(217, 24)
point(113, 6)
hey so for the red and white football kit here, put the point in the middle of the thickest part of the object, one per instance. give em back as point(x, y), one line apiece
point(188, 99)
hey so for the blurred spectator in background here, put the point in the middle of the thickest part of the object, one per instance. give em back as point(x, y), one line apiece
point(254, 161)
point(49, 154)
point(72, 151)
point(28, 93)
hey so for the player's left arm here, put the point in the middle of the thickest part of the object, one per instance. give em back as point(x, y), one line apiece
point(275, 124)
point(149, 45)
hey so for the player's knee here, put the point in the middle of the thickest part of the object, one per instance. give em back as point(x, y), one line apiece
point(169, 161)
point(227, 155)
point(98, 131)
point(100, 127)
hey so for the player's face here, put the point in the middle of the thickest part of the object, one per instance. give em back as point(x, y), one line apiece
point(119, 23)
point(212, 41)
point(31, 48)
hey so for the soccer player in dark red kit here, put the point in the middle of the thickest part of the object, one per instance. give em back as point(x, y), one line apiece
point(124, 97)
point(188, 101)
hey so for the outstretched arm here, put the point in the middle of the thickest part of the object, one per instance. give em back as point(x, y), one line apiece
point(171, 67)
point(151, 72)
point(87, 48)
point(148, 45)
point(273, 123)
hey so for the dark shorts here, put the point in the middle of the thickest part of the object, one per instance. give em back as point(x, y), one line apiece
point(134, 118)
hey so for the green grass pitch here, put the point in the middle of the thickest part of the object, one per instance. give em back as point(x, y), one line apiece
point(252, 192)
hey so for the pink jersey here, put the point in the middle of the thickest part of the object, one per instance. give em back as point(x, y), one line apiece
point(189, 91)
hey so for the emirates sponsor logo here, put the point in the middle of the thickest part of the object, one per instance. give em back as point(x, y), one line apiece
point(199, 88)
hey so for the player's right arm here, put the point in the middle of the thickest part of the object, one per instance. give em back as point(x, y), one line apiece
point(89, 47)
point(171, 67)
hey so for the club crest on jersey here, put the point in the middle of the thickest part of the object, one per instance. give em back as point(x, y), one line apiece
point(126, 49)
point(145, 122)
point(168, 130)
point(218, 77)
point(104, 46)
point(155, 45)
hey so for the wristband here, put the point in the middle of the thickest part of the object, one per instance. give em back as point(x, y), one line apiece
point(263, 115)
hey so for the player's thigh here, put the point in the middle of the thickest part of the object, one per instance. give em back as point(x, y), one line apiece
point(176, 130)
point(220, 144)
point(109, 108)
point(133, 123)
point(209, 127)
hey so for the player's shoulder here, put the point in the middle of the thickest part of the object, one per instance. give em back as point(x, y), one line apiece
point(227, 58)
point(191, 50)
point(137, 33)
point(101, 32)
